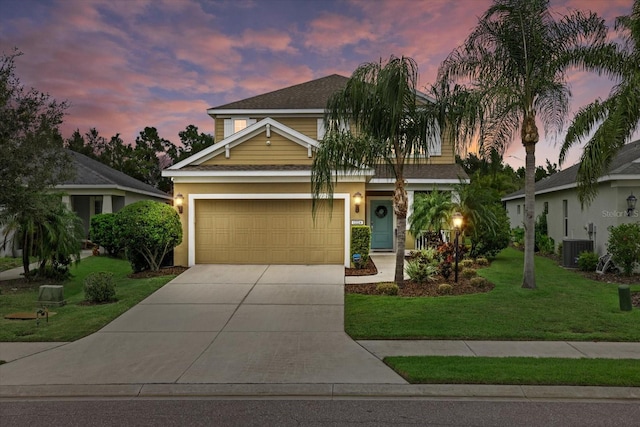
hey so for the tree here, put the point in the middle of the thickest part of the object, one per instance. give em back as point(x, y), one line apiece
point(192, 142)
point(150, 230)
point(516, 60)
point(430, 212)
point(616, 118)
point(392, 126)
point(33, 158)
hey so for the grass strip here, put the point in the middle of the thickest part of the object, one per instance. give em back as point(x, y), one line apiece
point(74, 320)
point(517, 370)
point(565, 307)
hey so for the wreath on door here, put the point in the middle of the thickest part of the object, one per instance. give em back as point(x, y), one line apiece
point(381, 211)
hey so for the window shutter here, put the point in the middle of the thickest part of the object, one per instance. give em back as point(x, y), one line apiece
point(228, 127)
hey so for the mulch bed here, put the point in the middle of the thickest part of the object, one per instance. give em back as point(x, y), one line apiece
point(164, 271)
point(368, 270)
point(429, 289)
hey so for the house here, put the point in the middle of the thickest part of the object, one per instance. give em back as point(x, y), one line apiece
point(567, 220)
point(247, 198)
point(97, 188)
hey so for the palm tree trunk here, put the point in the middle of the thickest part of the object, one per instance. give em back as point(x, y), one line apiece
point(530, 137)
point(400, 203)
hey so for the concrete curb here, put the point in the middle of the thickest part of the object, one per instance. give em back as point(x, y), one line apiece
point(322, 391)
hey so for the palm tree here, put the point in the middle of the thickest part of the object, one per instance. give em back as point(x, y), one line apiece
point(515, 60)
point(617, 117)
point(391, 127)
point(430, 212)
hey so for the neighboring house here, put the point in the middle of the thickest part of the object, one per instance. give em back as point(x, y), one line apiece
point(98, 188)
point(247, 198)
point(566, 219)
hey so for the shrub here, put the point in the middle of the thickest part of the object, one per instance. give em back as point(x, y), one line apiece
point(479, 282)
point(421, 272)
point(361, 243)
point(489, 238)
point(624, 245)
point(466, 263)
point(588, 261)
point(469, 273)
point(559, 250)
point(517, 237)
point(387, 288)
point(150, 230)
point(545, 245)
point(482, 261)
point(99, 287)
point(445, 289)
point(103, 232)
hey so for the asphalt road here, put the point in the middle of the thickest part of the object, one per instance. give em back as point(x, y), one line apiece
point(303, 413)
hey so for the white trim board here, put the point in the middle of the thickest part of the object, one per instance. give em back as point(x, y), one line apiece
point(191, 221)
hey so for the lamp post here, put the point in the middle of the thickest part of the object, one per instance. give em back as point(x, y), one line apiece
point(457, 225)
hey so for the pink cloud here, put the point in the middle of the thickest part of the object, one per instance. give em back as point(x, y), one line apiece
point(331, 31)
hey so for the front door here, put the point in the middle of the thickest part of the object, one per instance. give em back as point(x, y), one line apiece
point(381, 224)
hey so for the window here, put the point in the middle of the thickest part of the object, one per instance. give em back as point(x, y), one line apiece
point(565, 214)
point(234, 125)
point(546, 208)
point(518, 209)
point(321, 128)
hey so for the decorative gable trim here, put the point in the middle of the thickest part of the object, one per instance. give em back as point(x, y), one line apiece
point(245, 134)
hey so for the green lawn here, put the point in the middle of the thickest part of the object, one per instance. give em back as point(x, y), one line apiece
point(7, 263)
point(517, 370)
point(566, 306)
point(74, 321)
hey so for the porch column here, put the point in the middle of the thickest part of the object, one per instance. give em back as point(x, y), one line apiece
point(107, 204)
point(66, 200)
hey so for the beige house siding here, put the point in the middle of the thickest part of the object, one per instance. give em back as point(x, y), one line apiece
point(255, 151)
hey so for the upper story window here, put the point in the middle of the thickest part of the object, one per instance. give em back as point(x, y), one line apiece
point(322, 129)
point(236, 124)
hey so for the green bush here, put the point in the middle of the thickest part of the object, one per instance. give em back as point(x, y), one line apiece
point(517, 237)
point(559, 250)
point(466, 263)
point(150, 230)
point(426, 256)
point(479, 282)
point(624, 246)
point(103, 232)
point(489, 238)
point(387, 288)
point(469, 273)
point(482, 261)
point(421, 272)
point(588, 261)
point(445, 289)
point(99, 287)
point(545, 245)
point(361, 242)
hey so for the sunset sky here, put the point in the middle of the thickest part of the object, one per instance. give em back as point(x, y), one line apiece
point(126, 64)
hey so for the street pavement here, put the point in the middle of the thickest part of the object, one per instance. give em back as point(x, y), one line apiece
point(258, 330)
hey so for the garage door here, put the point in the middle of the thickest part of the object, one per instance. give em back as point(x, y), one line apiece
point(267, 232)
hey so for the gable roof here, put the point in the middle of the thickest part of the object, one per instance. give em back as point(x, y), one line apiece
point(92, 173)
point(310, 95)
point(451, 173)
point(626, 162)
point(241, 136)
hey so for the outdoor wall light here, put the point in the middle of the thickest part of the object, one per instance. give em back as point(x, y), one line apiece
point(357, 199)
point(631, 204)
point(457, 220)
point(178, 202)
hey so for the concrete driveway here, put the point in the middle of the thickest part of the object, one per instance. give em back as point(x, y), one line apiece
point(219, 324)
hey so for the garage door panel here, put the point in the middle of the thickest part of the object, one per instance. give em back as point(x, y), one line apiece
point(267, 232)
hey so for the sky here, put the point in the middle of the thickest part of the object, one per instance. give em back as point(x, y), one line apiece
point(123, 65)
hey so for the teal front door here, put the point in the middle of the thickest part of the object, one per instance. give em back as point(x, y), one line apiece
point(381, 224)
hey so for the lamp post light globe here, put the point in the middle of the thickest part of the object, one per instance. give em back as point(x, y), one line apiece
point(457, 220)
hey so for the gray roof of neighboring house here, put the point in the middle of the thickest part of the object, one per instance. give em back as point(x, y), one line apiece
point(622, 164)
point(91, 172)
point(309, 95)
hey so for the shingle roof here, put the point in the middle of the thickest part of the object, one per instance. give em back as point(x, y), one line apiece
point(622, 164)
point(309, 95)
point(92, 172)
point(424, 171)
